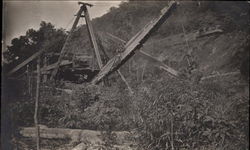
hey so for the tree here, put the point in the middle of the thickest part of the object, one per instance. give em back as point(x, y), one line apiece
point(46, 37)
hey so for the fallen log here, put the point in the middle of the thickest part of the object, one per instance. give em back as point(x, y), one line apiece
point(75, 135)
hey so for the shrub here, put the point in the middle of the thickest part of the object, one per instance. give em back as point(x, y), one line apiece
point(110, 112)
point(198, 114)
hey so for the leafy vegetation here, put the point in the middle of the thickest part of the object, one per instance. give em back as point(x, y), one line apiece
point(167, 113)
point(46, 37)
point(201, 116)
point(190, 116)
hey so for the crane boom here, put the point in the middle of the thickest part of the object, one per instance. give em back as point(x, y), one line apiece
point(134, 43)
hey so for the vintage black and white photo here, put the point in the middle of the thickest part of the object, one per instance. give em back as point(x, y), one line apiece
point(125, 75)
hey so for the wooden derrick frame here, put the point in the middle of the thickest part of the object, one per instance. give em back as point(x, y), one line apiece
point(83, 9)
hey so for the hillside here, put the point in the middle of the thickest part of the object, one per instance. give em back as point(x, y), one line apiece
point(164, 112)
point(216, 53)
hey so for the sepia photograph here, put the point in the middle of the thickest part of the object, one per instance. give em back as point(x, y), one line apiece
point(125, 75)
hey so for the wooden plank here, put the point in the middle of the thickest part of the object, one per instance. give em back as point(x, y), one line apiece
point(52, 66)
point(161, 64)
point(68, 91)
point(45, 63)
point(87, 4)
point(47, 69)
point(220, 75)
point(116, 38)
point(93, 38)
point(25, 62)
point(29, 79)
point(135, 43)
point(75, 135)
point(52, 54)
point(209, 31)
point(31, 82)
point(125, 81)
point(179, 39)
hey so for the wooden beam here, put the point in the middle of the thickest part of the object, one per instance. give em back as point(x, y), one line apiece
point(220, 75)
point(45, 64)
point(37, 104)
point(25, 62)
point(87, 4)
point(116, 38)
point(47, 69)
point(29, 79)
point(68, 91)
point(161, 64)
point(92, 37)
point(125, 81)
point(75, 135)
point(52, 54)
point(53, 66)
point(135, 43)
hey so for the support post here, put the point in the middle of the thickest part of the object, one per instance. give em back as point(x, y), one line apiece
point(137, 73)
point(28, 76)
point(37, 104)
point(129, 67)
point(31, 81)
point(92, 36)
point(143, 71)
point(45, 63)
point(172, 131)
point(124, 80)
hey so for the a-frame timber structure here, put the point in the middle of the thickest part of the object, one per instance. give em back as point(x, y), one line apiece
point(83, 9)
point(52, 69)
